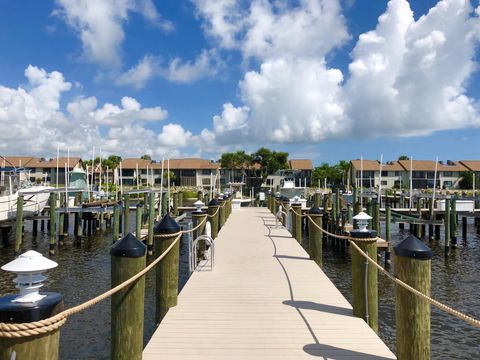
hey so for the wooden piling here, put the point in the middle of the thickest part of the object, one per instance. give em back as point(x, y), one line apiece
point(453, 223)
point(376, 209)
point(61, 218)
point(221, 213)
point(447, 226)
point(167, 269)
point(126, 214)
point(297, 220)
point(53, 227)
point(365, 279)
point(213, 206)
point(315, 236)
point(151, 220)
point(412, 266)
point(464, 227)
point(116, 223)
point(175, 204)
point(138, 220)
point(180, 199)
point(388, 233)
point(127, 305)
point(19, 224)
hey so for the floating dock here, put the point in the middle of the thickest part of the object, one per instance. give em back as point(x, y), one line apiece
point(265, 299)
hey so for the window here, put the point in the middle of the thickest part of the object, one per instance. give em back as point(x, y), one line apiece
point(397, 173)
point(205, 181)
point(384, 183)
point(384, 173)
point(206, 172)
point(188, 172)
point(448, 173)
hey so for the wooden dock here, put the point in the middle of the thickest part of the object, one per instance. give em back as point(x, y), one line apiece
point(264, 299)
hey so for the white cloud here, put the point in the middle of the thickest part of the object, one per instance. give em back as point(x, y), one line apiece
point(206, 65)
point(406, 77)
point(270, 29)
point(99, 25)
point(35, 122)
point(140, 74)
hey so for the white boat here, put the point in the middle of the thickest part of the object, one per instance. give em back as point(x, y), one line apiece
point(34, 197)
point(288, 188)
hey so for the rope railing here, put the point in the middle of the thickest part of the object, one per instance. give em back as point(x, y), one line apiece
point(17, 330)
point(12, 330)
point(436, 303)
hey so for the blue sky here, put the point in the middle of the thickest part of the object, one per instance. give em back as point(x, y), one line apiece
point(321, 79)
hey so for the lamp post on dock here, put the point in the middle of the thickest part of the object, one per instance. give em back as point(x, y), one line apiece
point(364, 275)
point(28, 306)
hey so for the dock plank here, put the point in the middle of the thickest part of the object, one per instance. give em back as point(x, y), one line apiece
point(265, 299)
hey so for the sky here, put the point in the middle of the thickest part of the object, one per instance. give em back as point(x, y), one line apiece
point(326, 80)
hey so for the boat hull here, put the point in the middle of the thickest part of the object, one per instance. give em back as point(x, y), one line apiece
point(34, 201)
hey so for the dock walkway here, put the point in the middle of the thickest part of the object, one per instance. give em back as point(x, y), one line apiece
point(264, 300)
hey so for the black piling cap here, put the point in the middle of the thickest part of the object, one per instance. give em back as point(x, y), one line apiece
point(166, 226)
point(213, 202)
point(284, 198)
point(315, 211)
point(412, 247)
point(370, 234)
point(129, 247)
point(17, 312)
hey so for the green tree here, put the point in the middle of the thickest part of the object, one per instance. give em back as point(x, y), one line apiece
point(146, 157)
point(344, 166)
point(235, 160)
point(334, 174)
point(403, 157)
point(466, 181)
point(270, 161)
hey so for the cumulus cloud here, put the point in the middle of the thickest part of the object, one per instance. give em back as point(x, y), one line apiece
point(99, 25)
point(35, 122)
point(206, 65)
point(407, 77)
point(268, 29)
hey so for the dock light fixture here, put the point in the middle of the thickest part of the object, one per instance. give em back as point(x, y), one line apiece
point(362, 219)
point(198, 205)
point(29, 267)
point(296, 199)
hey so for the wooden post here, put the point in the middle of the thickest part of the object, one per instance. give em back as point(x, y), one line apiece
point(431, 218)
point(127, 305)
point(197, 218)
point(19, 224)
point(212, 209)
point(44, 346)
point(53, 227)
point(221, 213)
point(151, 220)
point(116, 223)
point(464, 227)
point(454, 223)
point(78, 225)
point(285, 209)
point(34, 227)
point(200, 195)
point(376, 207)
point(61, 218)
point(180, 199)
point(388, 233)
point(364, 279)
point(145, 207)
point(297, 220)
point(138, 221)
point(167, 269)
point(370, 213)
point(165, 206)
point(412, 266)
point(126, 214)
point(175, 204)
point(317, 199)
point(447, 226)
point(315, 236)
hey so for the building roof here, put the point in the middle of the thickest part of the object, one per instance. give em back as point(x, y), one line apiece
point(472, 165)
point(52, 163)
point(133, 163)
point(300, 164)
point(35, 162)
point(368, 165)
point(189, 164)
point(429, 165)
point(16, 161)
